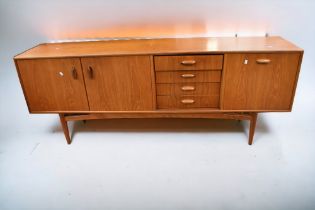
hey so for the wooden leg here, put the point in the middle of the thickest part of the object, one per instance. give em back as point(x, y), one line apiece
point(65, 128)
point(252, 117)
point(252, 127)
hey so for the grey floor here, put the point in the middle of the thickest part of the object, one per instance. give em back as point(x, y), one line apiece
point(155, 163)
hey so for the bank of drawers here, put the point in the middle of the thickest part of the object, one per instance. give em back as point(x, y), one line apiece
point(192, 81)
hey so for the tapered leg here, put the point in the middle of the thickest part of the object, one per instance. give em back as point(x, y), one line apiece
point(252, 127)
point(65, 128)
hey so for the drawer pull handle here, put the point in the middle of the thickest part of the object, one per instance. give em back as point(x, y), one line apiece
point(74, 73)
point(188, 101)
point(188, 88)
point(188, 75)
point(192, 62)
point(90, 71)
point(263, 61)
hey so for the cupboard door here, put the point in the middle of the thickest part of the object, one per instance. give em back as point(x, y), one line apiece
point(263, 82)
point(53, 85)
point(118, 83)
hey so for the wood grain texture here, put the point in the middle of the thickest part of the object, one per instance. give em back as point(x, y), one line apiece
point(49, 85)
point(126, 77)
point(65, 128)
point(160, 47)
point(100, 116)
point(119, 83)
point(175, 102)
point(193, 89)
point(252, 127)
point(153, 84)
point(97, 116)
point(255, 86)
point(160, 111)
point(177, 76)
point(198, 62)
point(296, 79)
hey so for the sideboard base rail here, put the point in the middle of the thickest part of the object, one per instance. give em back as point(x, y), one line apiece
point(251, 116)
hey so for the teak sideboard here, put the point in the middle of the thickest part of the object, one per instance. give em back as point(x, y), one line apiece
point(225, 78)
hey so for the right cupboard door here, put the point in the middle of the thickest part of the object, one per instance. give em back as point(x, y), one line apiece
point(259, 82)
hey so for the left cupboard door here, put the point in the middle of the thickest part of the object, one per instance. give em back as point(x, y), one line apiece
point(53, 85)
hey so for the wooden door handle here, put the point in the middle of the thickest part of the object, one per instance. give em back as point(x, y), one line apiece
point(188, 88)
point(90, 71)
point(263, 61)
point(188, 75)
point(188, 101)
point(190, 62)
point(74, 73)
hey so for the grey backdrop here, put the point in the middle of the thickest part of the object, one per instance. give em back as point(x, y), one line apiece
point(24, 23)
point(155, 164)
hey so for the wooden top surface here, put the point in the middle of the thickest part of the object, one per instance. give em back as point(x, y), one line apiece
point(159, 46)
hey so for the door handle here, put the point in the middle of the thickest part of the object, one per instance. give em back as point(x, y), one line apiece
point(74, 73)
point(188, 101)
point(190, 62)
point(188, 75)
point(263, 61)
point(90, 72)
point(188, 88)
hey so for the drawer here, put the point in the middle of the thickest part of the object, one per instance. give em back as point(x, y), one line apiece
point(188, 62)
point(187, 76)
point(188, 89)
point(179, 102)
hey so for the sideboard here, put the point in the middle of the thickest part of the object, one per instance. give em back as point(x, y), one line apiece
point(223, 78)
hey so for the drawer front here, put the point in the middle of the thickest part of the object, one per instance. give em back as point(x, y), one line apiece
point(180, 102)
point(188, 89)
point(188, 62)
point(187, 76)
